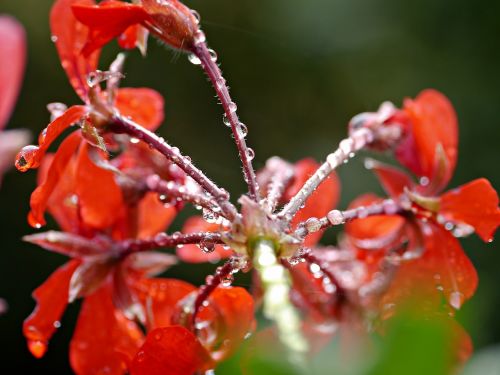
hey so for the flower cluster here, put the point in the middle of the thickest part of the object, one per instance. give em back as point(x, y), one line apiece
point(113, 186)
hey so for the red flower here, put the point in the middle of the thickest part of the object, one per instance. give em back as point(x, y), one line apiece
point(429, 150)
point(221, 326)
point(170, 20)
point(13, 50)
point(141, 104)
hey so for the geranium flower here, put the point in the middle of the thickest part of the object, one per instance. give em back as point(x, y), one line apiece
point(170, 20)
point(141, 104)
point(429, 217)
point(224, 321)
point(12, 49)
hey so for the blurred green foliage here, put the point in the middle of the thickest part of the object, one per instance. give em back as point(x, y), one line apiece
point(299, 70)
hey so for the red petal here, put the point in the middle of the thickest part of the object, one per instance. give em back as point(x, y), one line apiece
point(170, 351)
point(443, 265)
point(434, 122)
point(160, 297)
point(104, 340)
point(107, 20)
point(31, 156)
point(144, 106)
point(51, 300)
point(134, 36)
point(99, 196)
point(231, 312)
point(324, 198)
point(68, 244)
point(70, 37)
point(154, 216)
point(392, 179)
point(42, 193)
point(379, 231)
point(13, 51)
point(475, 204)
point(192, 253)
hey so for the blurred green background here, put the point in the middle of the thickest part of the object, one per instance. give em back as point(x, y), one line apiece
point(299, 70)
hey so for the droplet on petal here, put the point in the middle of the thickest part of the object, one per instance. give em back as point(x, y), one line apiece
point(37, 348)
point(456, 300)
point(193, 59)
point(25, 159)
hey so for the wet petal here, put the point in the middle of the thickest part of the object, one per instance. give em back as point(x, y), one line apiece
point(151, 263)
point(51, 300)
point(31, 156)
point(230, 314)
point(443, 268)
point(160, 297)
point(193, 253)
point(70, 36)
point(143, 105)
point(154, 216)
point(475, 204)
point(104, 340)
point(99, 195)
point(393, 180)
point(89, 276)
point(171, 350)
point(68, 244)
point(13, 50)
point(107, 21)
point(374, 232)
point(324, 198)
point(41, 195)
point(434, 122)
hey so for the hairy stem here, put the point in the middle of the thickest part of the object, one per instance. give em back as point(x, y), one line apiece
point(222, 273)
point(347, 148)
point(162, 240)
point(173, 190)
point(337, 217)
point(120, 124)
point(281, 174)
point(219, 83)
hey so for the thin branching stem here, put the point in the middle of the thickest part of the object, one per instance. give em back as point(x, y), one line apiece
point(346, 150)
point(219, 83)
point(337, 217)
point(120, 124)
point(175, 191)
point(163, 240)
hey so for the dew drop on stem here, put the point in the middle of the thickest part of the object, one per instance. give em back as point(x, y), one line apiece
point(193, 59)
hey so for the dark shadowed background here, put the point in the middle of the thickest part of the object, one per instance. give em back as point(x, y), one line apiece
point(299, 70)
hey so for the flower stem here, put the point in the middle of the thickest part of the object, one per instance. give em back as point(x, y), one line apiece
point(337, 217)
point(347, 148)
point(277, 304)
point(162, 240)
point(177, 191)
point(120, 124)
point(219, 83)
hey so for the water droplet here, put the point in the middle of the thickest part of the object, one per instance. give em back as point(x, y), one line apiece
point(221, 82)
point(53, 38)
point(227, 280)
point(193, 59)
point(57, 324)
point(37, 347)
point(56, 110)
point(140, 356)
point(134, 140)
point(25, 159)
point(336, 217)
point(196, 15)
point(250, 154)
point(226, 121)
point(206, 247)
point(313, 225)
point(213, 54)
point(158, 335)
point(232, 107)
point(456, 300)
point(243, 130)
point(199, 37)
point(209, 216)
point(424, 181)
